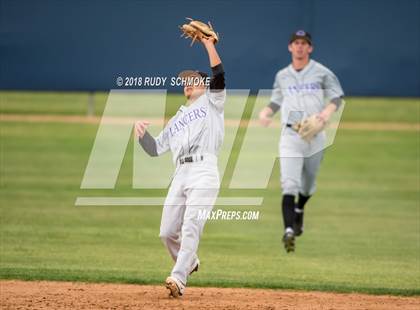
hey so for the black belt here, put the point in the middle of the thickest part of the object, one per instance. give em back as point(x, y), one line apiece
point(292, 126)
point(190, 159)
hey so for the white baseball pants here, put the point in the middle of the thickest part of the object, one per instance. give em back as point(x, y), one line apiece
point(193, 190)
point(299, 162)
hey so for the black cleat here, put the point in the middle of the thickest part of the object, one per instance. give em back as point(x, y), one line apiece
point(195, 269)
point(289, 242)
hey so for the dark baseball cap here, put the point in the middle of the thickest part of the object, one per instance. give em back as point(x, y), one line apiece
point(301, 34)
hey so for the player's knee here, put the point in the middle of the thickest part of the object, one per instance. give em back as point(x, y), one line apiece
point(306, 192)
point(308, 187)
point(167, 235)
point(166, 240)
point(312, 190)
point(289, 187)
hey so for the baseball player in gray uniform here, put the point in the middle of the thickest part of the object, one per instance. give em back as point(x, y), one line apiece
point(194, 136)
point(302, 89)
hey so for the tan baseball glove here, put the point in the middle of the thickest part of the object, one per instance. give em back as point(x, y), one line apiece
point(196, 30)
point(310, 126)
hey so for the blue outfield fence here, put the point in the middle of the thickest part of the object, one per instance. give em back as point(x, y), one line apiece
point(372, 46)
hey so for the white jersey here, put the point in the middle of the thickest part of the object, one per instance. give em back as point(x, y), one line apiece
point(195, 129)
point(305, 92)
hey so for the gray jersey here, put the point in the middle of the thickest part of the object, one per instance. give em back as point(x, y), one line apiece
point(306, 92)
point(195, 129)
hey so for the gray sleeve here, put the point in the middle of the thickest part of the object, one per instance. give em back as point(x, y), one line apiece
point(276, 95)
point(148, 144)
point(337, 101)
point(162, 142)
point(332, 87)
point(274, 107)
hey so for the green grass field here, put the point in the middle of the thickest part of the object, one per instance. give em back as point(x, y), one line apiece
point(362, 227)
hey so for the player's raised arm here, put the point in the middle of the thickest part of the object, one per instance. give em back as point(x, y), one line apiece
point(218, 74)
point(214, 57)
point(216, 93)
point(199, 31)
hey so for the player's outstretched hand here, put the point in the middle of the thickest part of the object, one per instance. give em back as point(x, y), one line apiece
point(265, 121)
point(140, 128)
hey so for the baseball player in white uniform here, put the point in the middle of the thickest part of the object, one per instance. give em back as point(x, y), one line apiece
point(194, 136)
point(302, 89)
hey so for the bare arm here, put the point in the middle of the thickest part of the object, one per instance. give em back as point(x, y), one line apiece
point(266, 116)
point(217, 83)
point(212, 52)
point(328, 111)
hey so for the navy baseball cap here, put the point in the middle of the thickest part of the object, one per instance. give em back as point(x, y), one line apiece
point(301, 34)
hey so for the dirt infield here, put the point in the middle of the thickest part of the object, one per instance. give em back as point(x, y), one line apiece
point(78, 119)
point(68, 295)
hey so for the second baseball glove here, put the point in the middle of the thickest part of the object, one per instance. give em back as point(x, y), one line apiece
point(197, 30)
point(311, 126)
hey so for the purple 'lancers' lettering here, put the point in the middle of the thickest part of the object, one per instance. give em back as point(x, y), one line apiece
point(186, 120)
point(303, 88)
